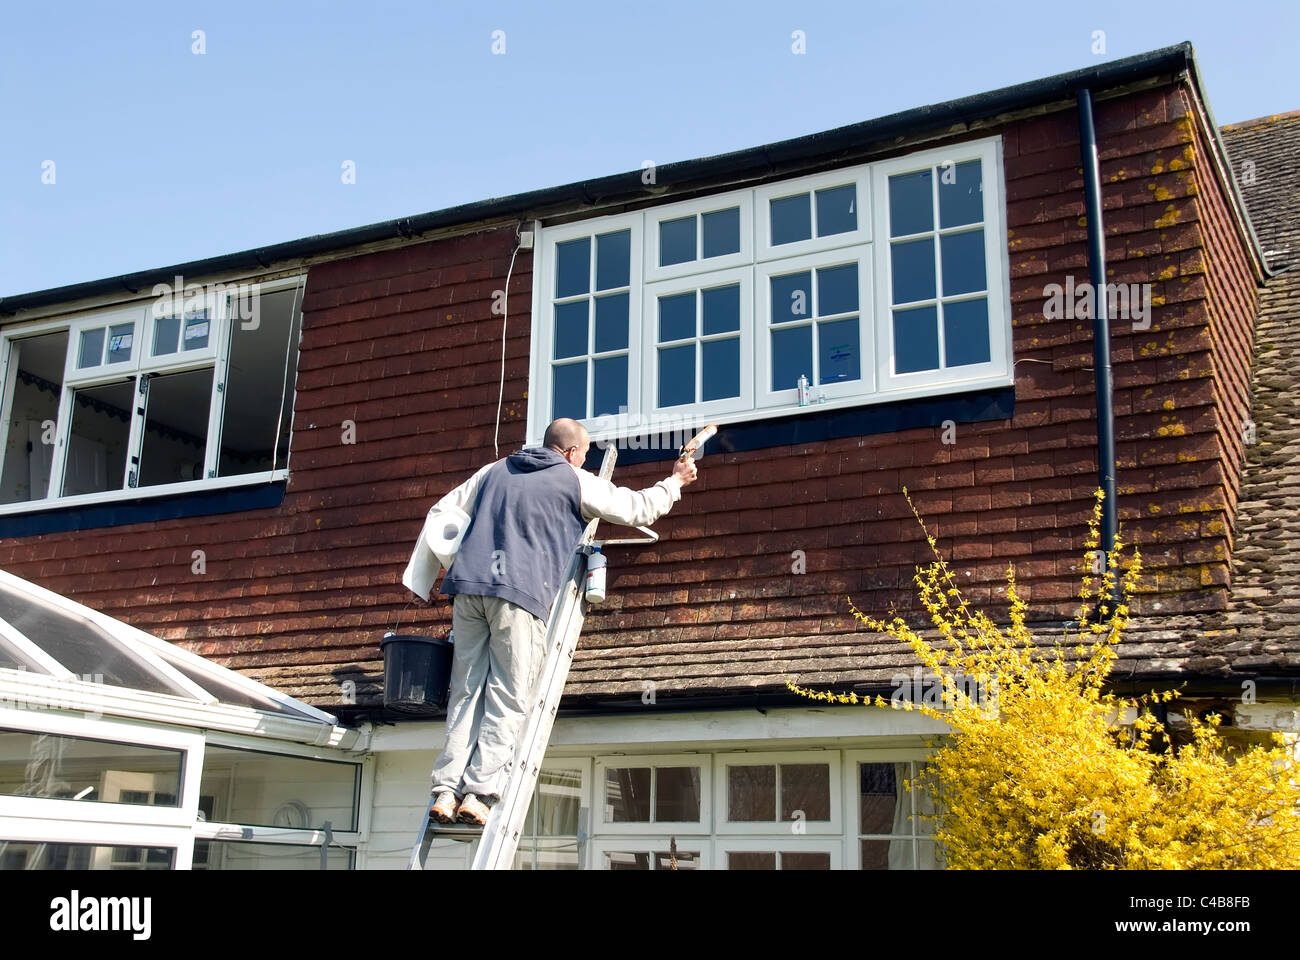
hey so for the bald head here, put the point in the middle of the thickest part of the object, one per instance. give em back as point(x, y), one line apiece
point(564, 434)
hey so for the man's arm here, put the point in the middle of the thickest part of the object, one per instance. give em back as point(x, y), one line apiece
point(628, 507)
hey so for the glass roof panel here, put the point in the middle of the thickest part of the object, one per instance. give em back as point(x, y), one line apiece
point(79, 645)
point(228, 692)
point(11, 658)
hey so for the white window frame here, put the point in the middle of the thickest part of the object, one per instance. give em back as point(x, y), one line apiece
point(742, 276)
point(869, 243)
point(723, 827)
point(741, 844)
point(853, 834)
point(996, 259)
point(697, 208)
point(866, 382)
point(763, 196)
point(599, 828)
point(652, 845)
point(583, 838)
point(215, 355)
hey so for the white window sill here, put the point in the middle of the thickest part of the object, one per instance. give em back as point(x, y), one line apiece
point(142, 493)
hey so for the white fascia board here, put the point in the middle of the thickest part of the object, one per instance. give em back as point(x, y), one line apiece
point(777, 727)
point(32, 695)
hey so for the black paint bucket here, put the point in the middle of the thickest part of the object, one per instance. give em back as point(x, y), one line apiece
point(417, 673)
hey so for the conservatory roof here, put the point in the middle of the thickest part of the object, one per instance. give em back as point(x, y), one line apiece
point(47, 637)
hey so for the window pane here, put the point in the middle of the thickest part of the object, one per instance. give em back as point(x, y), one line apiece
point(837, 351)
point(555, 804)
point(677, 317)
point(961, 201)
point(57, 767)
point(805, 861)
point(806, 787)
point(686, 860)
point(677, 794)
point(166, 334)
point(241, 855)
point(609, 385)
point(963, 262)
point(101, 426)
point(176, 427)
point(38, 387)
point(571, 329)
point(550, 854)
point(120, 338)
point(627, 795)
point(677, 375)
point(791, 357)
point(676, 241)
point(91, 351)
point(751, 793)
point(721, 309)
point(627, 860)
point(722, 232)
point(928, 856)
point(911, 203)
point(966, 332)
point(721, 375)
point(259, 390)
point(792, 297)
point(611, 322)
point(887, 855)
point(197, 331)
point(837, 290)
point(791, 219)
point(572, 267)
point(613, 258)
point(837, 210)
point(23, 855)
point(878, 800)
point(274, 790)
point(916, 340)
point(751, 860)
point(912, 269)
point(569, 390)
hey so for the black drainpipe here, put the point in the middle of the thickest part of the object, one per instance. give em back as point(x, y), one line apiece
point(1100, 328)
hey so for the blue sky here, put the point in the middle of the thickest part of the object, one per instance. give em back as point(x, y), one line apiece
point(163, 155)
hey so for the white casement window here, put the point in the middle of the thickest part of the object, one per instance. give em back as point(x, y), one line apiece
point(872, 283)
point(737, 853)
point(797, 794)
point(556, 827)
point(894, 826)
point(185, 391)
point(653, 794)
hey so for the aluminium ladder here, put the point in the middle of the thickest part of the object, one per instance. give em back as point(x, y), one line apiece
point(499, 837)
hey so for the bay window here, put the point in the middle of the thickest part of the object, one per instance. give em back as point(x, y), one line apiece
point(871, 283)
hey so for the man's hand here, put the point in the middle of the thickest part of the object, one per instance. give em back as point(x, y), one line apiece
point(685, 471)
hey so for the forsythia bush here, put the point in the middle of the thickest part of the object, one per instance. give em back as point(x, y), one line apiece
point(1038, 773)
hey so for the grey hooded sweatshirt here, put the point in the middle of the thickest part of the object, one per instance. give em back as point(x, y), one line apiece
point(525, 526)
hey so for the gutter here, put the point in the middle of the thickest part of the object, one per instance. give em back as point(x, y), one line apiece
point(575, 198)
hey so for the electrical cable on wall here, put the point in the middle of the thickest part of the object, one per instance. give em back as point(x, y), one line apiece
point(505, 316)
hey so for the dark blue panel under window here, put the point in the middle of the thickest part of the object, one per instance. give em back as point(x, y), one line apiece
point(676, 241)
point(609, 385)
point(963, 262)
point(966, 332)
point(677, 375)
point(912, 269)
point(572, 267)
point(791, 219)
point(961, 201)
point(721, 309)
point(611, 322)
point(677, 317)
point(837, 290)
point(837, 210)
point(911, 203)
point(916, 339)
point(571, 329)
point(838, 351)
point(792, 297)
point(569, 390)
point(721, 374)
point(791, 356)
point(613, 259)
point(722, 232)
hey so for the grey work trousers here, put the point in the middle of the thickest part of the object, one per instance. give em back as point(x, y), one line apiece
point(499, 651)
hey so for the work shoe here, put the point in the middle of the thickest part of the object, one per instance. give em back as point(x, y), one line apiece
point(444, 807)
point(472, 810)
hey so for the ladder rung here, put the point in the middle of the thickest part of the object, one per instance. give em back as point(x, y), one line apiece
point(465, 832)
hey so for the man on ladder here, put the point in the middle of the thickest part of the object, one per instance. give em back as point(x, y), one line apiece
point(528, 512)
